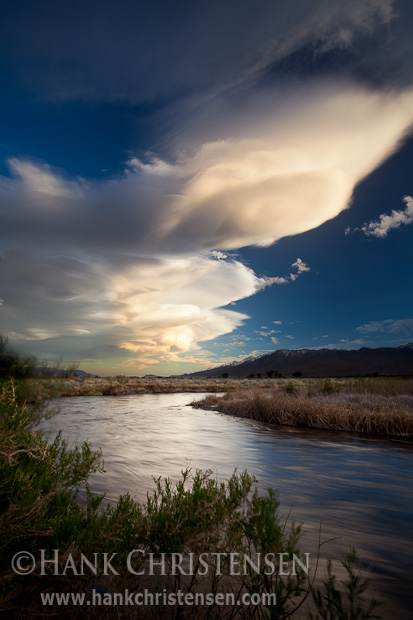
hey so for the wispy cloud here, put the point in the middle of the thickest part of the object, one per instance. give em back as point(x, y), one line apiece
point(268, 332)
point(344, 343)
point(381, 227)
point(301, 267)
point(391, 326)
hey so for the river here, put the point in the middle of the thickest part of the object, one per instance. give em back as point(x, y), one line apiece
point(361, 489)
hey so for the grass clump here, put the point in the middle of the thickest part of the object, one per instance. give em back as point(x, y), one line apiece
point(290, 388)
point(330, 388)
point(328, 409)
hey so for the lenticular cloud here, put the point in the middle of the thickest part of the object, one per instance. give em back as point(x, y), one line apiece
point(136, 265)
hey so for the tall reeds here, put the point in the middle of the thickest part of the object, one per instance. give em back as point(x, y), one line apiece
point(371, 414)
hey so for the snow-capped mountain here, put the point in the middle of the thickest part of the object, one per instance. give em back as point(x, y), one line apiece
point(396, 360)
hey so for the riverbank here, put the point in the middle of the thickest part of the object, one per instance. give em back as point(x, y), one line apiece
point(196, 517)
point(38, 388)
point(370, 407)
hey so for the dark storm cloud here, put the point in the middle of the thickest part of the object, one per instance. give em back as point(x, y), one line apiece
point(140, 51)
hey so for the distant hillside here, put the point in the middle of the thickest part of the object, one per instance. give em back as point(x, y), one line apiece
point(322, 363)
point(83, 373)
point(59, 372)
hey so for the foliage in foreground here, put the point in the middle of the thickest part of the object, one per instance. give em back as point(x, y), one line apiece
point(332, 604)
point(45, 503)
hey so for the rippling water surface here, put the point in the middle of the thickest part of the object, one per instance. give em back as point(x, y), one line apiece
point(361, 489)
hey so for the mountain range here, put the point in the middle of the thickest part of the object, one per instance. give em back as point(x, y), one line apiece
point(396, 360)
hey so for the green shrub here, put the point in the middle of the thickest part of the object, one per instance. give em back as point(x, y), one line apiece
point(347, 603)
point(290, 388)
point(329, 387)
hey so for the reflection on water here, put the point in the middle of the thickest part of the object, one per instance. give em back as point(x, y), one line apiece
point(360, 488)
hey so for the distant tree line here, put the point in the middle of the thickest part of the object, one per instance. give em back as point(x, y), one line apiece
point(270, 374)
point(273, 374)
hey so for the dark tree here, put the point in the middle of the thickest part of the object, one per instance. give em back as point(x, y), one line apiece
point(12, 364)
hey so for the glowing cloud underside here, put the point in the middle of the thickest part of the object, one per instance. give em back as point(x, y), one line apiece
point(132, 265)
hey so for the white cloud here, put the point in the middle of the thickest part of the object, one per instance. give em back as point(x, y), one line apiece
point(343, 344)
point(381, 227)
point(391, 326)
point(290, 337)
point(218, 255)
point(43, 181)
point(238, 344)
point(275, 340)
point(301, 266)
point(267, 281)
point(277, 322)
point(278, 173)
point(285, 168)
point(159, 309)
point(268, 333)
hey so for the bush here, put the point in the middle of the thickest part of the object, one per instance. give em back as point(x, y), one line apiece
point(334, 604)
point(290, 388)
point(329, 387)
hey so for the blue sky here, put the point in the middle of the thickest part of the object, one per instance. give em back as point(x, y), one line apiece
point(185, 184)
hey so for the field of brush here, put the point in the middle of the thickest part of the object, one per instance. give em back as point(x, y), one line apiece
point(376, 406)
point(45, 387)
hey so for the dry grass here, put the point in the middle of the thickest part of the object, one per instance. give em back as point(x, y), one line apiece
point(373, 414)
point(46, 387)
point(38, 388)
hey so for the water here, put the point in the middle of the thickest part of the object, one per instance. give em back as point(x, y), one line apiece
point(361, 489)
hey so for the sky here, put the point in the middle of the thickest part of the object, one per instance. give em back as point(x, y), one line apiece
point(185, 184)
